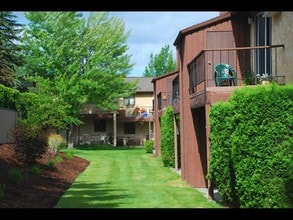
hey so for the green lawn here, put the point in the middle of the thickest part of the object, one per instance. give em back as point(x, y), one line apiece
point(129, 178)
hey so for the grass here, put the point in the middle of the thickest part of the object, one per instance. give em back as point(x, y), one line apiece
point(129, 178)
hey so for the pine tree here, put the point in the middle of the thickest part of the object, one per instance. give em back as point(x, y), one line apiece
point(9, 48)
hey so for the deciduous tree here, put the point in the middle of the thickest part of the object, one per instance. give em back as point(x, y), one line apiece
point(75, 60)
point(161, 63)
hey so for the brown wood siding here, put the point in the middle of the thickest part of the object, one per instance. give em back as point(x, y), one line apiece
point(215, 94)
point(225, 31)
point(162, 85)
point(193, 167)
point(220, 39)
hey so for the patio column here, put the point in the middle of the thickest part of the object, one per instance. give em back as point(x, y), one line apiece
point(114, 129)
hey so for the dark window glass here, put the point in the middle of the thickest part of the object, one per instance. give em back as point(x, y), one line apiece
point(129, 128)
point(100, 125)
point(159, 101)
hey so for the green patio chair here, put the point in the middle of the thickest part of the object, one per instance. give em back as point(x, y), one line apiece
point(225, 75)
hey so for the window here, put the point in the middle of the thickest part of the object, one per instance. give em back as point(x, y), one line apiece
point(159, 101)
point(129, 100)
point(100, 125)
point(175, 90)
point(262, 38)
point(129, 128)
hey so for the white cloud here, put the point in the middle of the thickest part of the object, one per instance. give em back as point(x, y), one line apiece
point(150, 31)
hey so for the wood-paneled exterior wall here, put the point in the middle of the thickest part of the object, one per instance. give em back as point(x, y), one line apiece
point(194, 133)
point(227, 38)
point(163, 98)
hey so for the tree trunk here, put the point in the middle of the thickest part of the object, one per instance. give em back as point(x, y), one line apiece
point(70, 138)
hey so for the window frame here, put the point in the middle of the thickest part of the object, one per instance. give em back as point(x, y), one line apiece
point(129, 101)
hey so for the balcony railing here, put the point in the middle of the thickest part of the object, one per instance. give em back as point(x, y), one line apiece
point(136, 113)
point(249, 62)
point(127, 113)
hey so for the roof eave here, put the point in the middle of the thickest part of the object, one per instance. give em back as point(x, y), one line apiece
point(165, 75)
point(201, 25)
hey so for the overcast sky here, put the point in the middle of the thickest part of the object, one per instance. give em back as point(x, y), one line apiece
point(150, 31)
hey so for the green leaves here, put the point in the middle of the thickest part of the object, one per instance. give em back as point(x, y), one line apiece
point(161, 63)
point(251, 138)
point(74, 61)
point(167, 137)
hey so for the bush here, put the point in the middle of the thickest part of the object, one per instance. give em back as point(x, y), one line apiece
point(30, 143)
point(69, 154)
point(51, 164)
point(55, 141)
point(58, 159)
point(221, 170)
point(149, 144)
point(251, 154)
point(16, 175)
point(36, 169)
point(167, 138)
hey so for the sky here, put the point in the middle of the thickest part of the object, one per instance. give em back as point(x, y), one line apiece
point(150, 31)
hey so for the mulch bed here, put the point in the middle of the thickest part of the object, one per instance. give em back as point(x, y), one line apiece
point(41, 190)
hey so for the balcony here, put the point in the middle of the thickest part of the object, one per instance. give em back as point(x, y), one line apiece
point(125, 113)
point(136, 114)
point(249, 63)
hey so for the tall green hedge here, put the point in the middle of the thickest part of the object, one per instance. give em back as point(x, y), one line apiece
point(257, 126)
point(8, 97)
point(167, 137)
point(21, 102)
point(221, 164)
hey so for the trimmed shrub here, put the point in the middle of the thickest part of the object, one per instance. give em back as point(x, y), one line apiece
point(8, 97)
point(251, 147)
point(263, 122)
point(221, 171)
point(30, 143)
point(167, 138)
point(149, 144)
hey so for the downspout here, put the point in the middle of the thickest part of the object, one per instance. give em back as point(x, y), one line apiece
point(175, 143)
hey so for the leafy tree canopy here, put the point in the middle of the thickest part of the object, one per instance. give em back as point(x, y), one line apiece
point(160, 63)
point(75, 61)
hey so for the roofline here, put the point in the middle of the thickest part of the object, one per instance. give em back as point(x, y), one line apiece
point(138, 77)
point(165, 75)
point(221, 17)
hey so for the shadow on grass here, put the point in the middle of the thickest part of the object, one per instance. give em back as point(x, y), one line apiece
point(84, 195)
point(106, 147)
